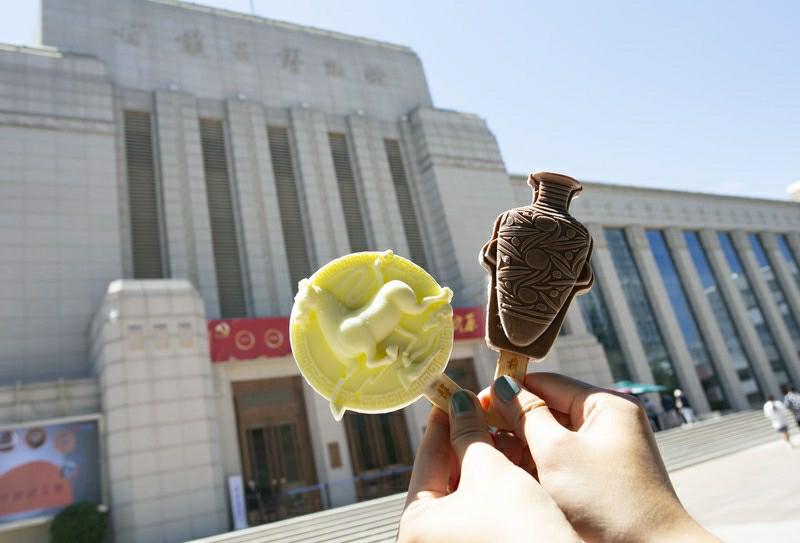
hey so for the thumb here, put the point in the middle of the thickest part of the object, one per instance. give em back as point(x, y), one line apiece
point(527, 413)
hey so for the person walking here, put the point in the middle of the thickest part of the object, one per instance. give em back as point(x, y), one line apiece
point(773, 410)
point(683, 407)
point(792, 401)
point(671, 417)
point(652, 414)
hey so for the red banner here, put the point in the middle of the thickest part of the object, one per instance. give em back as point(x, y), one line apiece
point(468, 323)
point(268, 337)
point(246, 339)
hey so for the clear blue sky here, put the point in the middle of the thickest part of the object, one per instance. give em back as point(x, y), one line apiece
point(696, 95)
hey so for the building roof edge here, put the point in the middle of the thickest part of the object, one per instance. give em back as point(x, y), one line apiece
point(285, 24)
point(587, 182)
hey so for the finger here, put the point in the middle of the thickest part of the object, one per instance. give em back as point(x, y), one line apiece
point(455, 473)
point(469, 436)
point(527, 413)
point(485, 398)
point(510, 445)
point(528, 464)
point(563, 419)
point(562, 393)
point(432, 463)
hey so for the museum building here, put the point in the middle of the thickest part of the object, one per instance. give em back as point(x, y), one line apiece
point(169, 172)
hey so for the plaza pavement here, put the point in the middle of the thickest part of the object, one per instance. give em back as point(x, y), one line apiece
point(752, 495)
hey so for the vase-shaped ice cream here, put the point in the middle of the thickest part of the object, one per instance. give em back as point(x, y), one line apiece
point(539, 259)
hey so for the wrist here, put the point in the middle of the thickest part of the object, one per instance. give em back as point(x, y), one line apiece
point(678, 528)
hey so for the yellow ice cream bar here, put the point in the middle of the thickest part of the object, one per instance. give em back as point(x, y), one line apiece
point(372, 332)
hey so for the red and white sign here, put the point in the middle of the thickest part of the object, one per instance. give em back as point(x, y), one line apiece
point(268, 337)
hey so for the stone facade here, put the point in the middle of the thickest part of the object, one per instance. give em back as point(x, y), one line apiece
point(80, 333)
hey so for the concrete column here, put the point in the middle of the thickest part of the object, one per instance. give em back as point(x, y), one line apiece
point(319, 188)
point(326, 431)
point(226, 422)
point(187, 225)
point(666, 320)
point(150, 350)
point(123, 202)
point(769, 308)
point(580, 354)
point(439, 249)
point(377, 188)
point(782, 273)
point(617, 305)
point(574, 322)
point(793, 239)
point(751, 343)
point(262, 231)
point(485, 360)
point(416, 416)
point(582, 357)
point(704, 316)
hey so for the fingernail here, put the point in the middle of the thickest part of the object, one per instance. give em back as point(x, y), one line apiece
point(506, 388)
point(461, 404)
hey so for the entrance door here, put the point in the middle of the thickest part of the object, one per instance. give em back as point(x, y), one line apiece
point(276, 450)
point(462, 371)
point(381, 453)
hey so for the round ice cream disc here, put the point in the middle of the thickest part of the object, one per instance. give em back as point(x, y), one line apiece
point(370, 331)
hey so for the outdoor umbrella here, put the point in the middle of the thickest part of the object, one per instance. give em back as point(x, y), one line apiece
point(629, 387)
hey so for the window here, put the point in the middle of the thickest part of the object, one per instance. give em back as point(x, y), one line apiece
point(685, 317)
point(598, 321)
point(775, 289)
point(292, 223)
point(223, 221)
point(789, 257)
point(143, 197)
point(353, 217)
point(733, 343)
point(739, 279)
point(405, 203)
point(641, 310)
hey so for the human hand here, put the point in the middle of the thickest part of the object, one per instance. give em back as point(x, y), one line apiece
point(595, 454)
point(494, 499)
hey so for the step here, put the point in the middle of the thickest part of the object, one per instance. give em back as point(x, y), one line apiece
point(376, 521)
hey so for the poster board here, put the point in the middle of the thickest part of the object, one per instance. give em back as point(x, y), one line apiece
point(47, 465)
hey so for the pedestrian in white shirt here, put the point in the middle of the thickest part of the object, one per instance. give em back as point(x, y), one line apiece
point(773, 410)
point(683, 407)
point(791, 399)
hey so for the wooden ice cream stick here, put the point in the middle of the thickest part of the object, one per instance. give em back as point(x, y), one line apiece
point(440, 390)
point(511, 364)
point(516, 367)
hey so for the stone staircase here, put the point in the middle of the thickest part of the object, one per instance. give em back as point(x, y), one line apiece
point(376, 521)
point(715, 437)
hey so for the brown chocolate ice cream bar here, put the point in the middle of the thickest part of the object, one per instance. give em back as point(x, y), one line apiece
point(538, 259)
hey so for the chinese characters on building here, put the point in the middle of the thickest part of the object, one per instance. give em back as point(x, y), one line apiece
point(290, 59)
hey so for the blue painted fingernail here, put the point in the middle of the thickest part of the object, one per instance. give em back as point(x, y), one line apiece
point(506, 388)
point(461, 404)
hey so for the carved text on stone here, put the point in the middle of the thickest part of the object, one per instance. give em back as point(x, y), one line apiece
point(192, 42)
point(290, 59)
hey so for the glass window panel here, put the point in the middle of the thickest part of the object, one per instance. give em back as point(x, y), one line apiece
point(741, 362)
point(366, 453)
point(706, 371)
point(289, 452)
point(775, 289)
point(789, 257)
point(642, 311)
point(388, 438)
point(259, 458)
point(598, 321)
point(753, 309)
